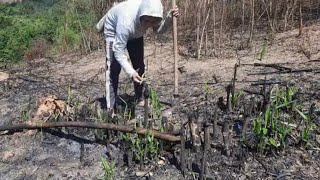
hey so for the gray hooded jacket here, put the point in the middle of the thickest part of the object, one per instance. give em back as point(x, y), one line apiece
point(122, 23)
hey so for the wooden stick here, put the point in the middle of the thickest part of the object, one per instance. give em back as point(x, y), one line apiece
point(226, 138)
point(183, 151)
point(82, 152)
point(265, 93)
point(146, 103)
point(315, 60)
point(109, 126)
point(129, 154)
point(205, 151)
point(234, 85)
point(253, 92)
point(300, 18)
point(175, 49)
point(278, 64)
point(274, 65)
point(229, 104)
point(310, 114)
point(284, 72)
point(247, 116)
point(214, 122)
point(269, 82)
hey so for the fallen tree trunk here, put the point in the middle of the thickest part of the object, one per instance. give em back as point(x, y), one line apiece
point(108, 126)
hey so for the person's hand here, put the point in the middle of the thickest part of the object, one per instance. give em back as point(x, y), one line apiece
point(175, 11)
point(136, 78)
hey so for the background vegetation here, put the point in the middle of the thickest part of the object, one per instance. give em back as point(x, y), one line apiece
point(33, 27)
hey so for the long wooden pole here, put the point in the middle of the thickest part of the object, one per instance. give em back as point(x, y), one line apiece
point(175, 49)
point(300, 18)
point(82, 124)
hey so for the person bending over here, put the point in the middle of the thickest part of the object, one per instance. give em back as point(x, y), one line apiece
point(124, 26)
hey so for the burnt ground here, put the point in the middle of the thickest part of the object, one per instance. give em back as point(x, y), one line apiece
point(70, 153)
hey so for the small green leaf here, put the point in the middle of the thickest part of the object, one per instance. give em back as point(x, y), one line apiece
point(263, 51)
point(267, 116)
point(284, 105)
point(265, 131)
point(302, 115)
point(273, 142)
point(258, 127)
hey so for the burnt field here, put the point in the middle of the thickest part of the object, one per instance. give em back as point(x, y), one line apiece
point(234, 118)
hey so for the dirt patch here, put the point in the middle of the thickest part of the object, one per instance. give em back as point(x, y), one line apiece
point(4, 76)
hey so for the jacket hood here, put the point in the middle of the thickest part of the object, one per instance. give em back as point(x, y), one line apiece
point(152, 8)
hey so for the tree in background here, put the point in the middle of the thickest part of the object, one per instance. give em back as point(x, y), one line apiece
point(205, 27)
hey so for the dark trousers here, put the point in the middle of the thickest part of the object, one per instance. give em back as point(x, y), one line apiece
point(135, 49)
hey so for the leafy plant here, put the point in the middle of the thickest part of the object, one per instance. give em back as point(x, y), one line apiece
point(306, 131)
point(143, 148)
point(283, 99)
point(207, 89)
point(101, 134)
point(156, 109)
point(236, 98)
point(56, 115)
point(152, 145)
point(155, 104)
point(73, 104)
point(25, 115)
point(109, 169)
point(273, 128)
point(127, 112)
point(263, 52)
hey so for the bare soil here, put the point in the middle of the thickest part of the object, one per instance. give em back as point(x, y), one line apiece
point(76, 154)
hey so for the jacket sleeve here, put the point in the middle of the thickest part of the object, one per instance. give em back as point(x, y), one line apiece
point(164, 24)
point(100, 24)
point(119, 48)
